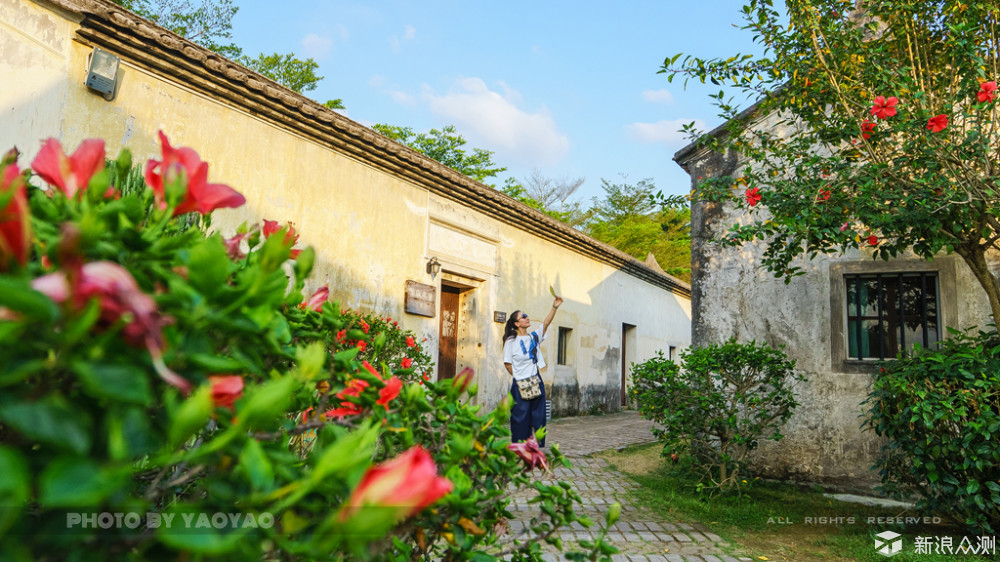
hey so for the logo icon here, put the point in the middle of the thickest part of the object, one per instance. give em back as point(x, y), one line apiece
point(888, 543)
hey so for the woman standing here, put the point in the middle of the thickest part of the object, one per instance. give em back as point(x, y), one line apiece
point(522, 360)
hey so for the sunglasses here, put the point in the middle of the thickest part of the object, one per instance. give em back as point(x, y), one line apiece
point(523, 317)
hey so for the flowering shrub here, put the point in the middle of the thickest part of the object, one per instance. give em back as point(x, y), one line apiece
point(939, 411)
point(889, 106)
point(153, 376)
point(715, 409)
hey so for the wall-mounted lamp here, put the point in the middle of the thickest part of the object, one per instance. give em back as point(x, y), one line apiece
point(433, 267)
point(102, 73)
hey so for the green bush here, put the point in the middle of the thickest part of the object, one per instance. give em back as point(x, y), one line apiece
point(154, 370)
point(939, 411)
point(716, 408)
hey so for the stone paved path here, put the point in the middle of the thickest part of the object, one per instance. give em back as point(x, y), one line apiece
point(639, 535)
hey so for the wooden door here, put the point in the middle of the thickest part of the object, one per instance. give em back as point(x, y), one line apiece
point(627, 334)
point(448, 340)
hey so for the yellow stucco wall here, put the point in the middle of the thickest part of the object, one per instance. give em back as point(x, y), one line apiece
point(372, 230)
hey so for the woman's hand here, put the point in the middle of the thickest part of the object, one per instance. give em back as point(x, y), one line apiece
point(558, 301)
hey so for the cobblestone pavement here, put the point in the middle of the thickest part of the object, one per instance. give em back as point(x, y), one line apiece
point(639, 534)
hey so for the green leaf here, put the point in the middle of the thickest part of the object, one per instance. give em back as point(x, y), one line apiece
point(256, 465)
point(125, 383)
point(191, 415)
point(208, 267)
point(75, 482)
point(18, 295)
point(15, 486)
point(215, 363)
point(198, 538)
point(266, 404)
point(48, 421)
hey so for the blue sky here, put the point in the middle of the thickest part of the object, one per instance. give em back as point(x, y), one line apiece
point(568, 88)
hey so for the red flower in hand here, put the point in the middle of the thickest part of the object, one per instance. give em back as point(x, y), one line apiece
point(884, 108)
point(753, 196)
point(866, 129)
point(402, 486)
point(184, 165)
point(530, 453)
point(938, 123)
point(70, 174)
point(226, 389)
point(987, 92)
point(15, 217)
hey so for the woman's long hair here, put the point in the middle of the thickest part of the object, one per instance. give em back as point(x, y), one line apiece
point(509, 330)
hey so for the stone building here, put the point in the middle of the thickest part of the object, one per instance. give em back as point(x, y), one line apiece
point(396, 233)
point(829, 321)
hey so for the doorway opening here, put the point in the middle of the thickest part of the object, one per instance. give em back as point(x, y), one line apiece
point(456, 300)
point(628, 351)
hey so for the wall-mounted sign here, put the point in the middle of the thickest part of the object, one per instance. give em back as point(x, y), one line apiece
point(500, 317)
point(420, 299)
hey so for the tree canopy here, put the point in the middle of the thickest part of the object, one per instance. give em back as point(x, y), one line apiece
point(630, 219)
point(447, 147)
point(210, 25)
point(875, 127)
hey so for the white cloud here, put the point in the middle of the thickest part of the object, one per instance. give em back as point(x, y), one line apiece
point(494, 121)
point(402, 98)
point(409, 33)
point(317, 47)
point(668, 132)
point(658, 96)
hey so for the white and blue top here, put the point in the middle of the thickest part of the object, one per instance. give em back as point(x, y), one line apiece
point(518, 352)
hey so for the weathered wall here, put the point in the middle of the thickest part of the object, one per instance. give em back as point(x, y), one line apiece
point(734, 297)
point(374, 226)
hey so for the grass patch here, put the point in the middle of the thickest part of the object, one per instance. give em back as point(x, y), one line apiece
point(778, 521)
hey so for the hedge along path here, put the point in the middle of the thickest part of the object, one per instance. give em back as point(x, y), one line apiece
point(638, 534)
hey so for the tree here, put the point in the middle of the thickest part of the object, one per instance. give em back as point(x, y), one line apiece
point(212, 22)
point(631, 219)
point(552, 197)
point(875, 127)
point(445, 146)
point(287, 70)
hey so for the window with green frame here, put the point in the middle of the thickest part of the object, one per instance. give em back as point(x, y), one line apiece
point(890, 312)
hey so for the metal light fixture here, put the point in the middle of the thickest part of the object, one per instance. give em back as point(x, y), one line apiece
point(102, 73)
point(433, 266)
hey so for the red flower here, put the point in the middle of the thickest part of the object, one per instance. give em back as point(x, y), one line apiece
point(407, 363)
point(233, 247)
point(362, 345)
point(15, 216)
point(884, 108)
point(317, 299)
point(866, 129)
point(389, 392)
point(341, 334)
point(348, 408)
point(530, 453)
point(987, 92)
point(184, 165)
point(824, 195)
point(226, 389)
point(843, 227)
point(937, 123)
point(291, 237)
point(873, 240)
point(753, 196)
point(410, 342)
point(403, 486)
point(365, 327)
point(119, 297)
point(368, 367)
point(463, 379)
point(70, 174)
